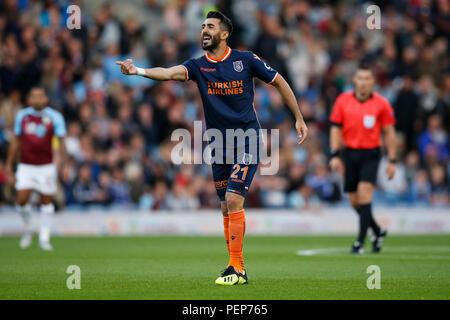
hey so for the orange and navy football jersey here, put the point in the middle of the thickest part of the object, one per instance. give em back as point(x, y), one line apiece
point(36, 130)
point(227, 89)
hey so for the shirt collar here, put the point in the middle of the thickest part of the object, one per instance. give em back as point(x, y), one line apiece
point(369, 97)
point(222, 58)
point(37, 112)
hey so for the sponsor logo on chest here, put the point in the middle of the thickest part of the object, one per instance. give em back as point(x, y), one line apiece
point(36, 128)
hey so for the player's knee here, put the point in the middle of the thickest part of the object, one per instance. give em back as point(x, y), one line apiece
point(46, 201)
point(21, 201)
point(364, 193)
point(354, 201)
point(22, 198)
point(223, 206)
point(234, 202)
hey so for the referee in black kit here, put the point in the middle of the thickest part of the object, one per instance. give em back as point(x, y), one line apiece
point(357, 120)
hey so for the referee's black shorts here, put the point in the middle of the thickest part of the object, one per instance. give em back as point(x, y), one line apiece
point(360, 165)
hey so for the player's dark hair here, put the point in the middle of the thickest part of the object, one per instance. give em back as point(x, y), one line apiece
point(365, 65)
point(36, 88)
point(224, 20)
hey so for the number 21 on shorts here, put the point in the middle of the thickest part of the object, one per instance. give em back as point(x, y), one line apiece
point(237, 169)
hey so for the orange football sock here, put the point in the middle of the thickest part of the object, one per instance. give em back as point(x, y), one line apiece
point(236, 234)
point(226, 223)
point(242, 252)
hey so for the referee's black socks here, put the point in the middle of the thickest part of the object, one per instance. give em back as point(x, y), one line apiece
point(367, 209)
point(366, 220)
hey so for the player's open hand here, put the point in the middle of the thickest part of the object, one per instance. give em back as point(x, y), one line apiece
point(302, 130)
point(127, 67)
point(390, 170)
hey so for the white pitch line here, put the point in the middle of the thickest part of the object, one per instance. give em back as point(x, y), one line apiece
point(314, 252)
point(397, 249)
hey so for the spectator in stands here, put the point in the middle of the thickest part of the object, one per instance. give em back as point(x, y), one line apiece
point(434, 139)
point(85, 190)
point(439, 186)
point(419, 190)
point(126, 122)
point(406, 107)
point(118, 188)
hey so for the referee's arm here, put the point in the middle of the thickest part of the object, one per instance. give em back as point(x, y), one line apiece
point(335, 146)
point(335, 137)
point(391, 148)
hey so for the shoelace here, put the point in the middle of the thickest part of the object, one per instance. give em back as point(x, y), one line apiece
point(225, 271)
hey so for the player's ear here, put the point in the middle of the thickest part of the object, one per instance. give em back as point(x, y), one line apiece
point(224, 35)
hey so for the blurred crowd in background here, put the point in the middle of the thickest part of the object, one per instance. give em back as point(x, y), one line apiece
point(119, 126)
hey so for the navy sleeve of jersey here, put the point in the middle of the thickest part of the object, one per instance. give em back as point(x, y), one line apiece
point(190, 69)
point(261, 69)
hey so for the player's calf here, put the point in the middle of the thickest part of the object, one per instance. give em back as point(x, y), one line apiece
point(27, 237)
point(47, 210)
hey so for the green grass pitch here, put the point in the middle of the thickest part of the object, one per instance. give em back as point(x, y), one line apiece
point(161, 267)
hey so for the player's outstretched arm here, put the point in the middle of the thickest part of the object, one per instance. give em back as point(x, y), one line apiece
point(178, 73)
point(289, 98)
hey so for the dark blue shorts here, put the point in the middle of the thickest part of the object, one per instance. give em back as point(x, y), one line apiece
point(235, 178)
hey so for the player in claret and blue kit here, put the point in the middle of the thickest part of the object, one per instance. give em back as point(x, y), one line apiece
point(34, 129)
point(224, 77)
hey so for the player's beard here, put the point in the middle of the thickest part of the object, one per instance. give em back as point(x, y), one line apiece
point(39, 107)
point(363, 92)
point(214, 43)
